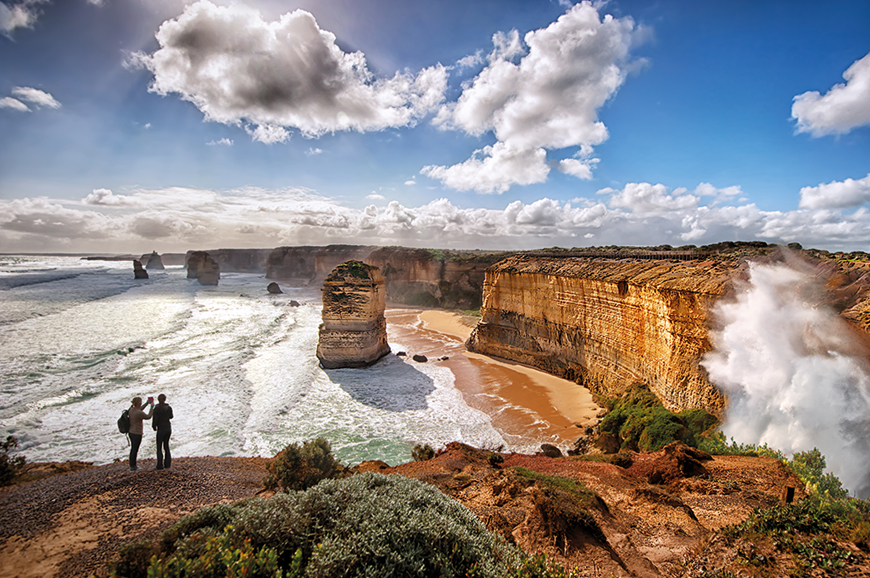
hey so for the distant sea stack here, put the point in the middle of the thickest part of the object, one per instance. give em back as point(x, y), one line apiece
point(154, 263)
point(354, 330)
point(138, 271)
point(203, 268)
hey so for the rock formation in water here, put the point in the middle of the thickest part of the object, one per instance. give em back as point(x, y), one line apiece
point(607, 324)
point(239, 260)
point(138, 271)
point(354, 330)
point(154, 262)
point(273, 288)
point(203, 268)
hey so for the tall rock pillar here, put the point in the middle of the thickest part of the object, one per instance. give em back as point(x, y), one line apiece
point(354, 330)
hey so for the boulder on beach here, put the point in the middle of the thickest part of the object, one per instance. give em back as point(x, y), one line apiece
point(274, 289)
point(138, 271)
point(551, 451)
point(420, 358)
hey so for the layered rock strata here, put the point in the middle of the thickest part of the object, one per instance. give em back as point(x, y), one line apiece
point(138, 271)
point(238, 260)
point(354, 330)
point(607, 324)
point(203, 268)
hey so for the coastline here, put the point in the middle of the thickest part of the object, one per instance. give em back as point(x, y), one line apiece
point(522, 401)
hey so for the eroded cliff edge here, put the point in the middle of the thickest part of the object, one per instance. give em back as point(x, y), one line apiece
point(607, 324)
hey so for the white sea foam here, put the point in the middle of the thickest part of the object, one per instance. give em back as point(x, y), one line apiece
point(791, 374)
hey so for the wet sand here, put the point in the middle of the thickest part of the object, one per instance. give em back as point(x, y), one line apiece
point(526, 405)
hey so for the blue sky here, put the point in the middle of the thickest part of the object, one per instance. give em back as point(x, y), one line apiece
point(132, 125)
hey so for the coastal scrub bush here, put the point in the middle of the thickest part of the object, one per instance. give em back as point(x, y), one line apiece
point(365, 525)
point(641, 422)
point(422, 453)
point(10, 466)
point(217, 557)
point(299, 467)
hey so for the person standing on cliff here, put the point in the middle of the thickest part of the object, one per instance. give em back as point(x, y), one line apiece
point(137, 414)
point(162, 415)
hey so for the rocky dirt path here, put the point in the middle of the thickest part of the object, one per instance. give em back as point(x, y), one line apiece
point(72, 524)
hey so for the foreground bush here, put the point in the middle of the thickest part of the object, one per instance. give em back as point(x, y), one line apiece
point(10, 466)
point(299, 467)
point(641, 422)
point(365, 525)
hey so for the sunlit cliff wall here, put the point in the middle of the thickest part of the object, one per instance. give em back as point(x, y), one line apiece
point(607, 323)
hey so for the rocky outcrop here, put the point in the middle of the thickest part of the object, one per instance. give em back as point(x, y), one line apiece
point(354, 330)
point(138, 271)
point(154, 262)
point(273, 289)
point(203, 268)
point(607, 324)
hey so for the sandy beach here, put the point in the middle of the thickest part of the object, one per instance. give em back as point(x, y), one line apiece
point(524, 403)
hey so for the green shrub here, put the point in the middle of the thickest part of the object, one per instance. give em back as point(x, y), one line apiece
point(299, 467)
point(133, 560)
point(10, 466)
point(538, 566)
point(365, 525)
point(641, 422)
point(421, 453)
point(218, 558)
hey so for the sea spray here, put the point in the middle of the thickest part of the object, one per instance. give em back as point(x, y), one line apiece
point(791, 372)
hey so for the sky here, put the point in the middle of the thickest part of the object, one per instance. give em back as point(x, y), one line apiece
point(170, 125)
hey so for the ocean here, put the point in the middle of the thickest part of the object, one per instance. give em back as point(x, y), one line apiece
point(79, 339)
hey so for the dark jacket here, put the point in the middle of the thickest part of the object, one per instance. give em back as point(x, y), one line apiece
point(162, 415)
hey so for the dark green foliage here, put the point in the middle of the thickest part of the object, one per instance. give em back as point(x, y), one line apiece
point(356, 269)
point(365, 525)
point(217, 557)
point(810, 468)
point(421, 453)
point(716, 444)
point(299, 467)
point(9, 465)
point(133, 560)
point(495, 459)
point(641, 422)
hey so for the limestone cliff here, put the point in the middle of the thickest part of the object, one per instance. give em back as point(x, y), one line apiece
point(354, 330)
point(154, 262)
point(203, 268)
point(237, 260)
point(307, 265)
point(606, 323)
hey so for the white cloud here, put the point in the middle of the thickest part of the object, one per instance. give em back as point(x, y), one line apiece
point(844, 107)
point(493, 169)
point(14, 104)
point(36, 97)
point(411, 182)
point(373, 196)
point(147, 125)
point(548, 100)
point(470, 61)
point(239, 69)
point(182, 218)
point(837, 194)
point(312, 151)
point(222, 142)
point(21, 14)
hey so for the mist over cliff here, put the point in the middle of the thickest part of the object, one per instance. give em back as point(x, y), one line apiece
point(794, 375)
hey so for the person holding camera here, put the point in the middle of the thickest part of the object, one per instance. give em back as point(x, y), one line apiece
point(137, 415)
point(162, 415)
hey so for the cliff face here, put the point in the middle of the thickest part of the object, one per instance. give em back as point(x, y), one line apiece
point(450, 279)
point(606, 324)
point(354, 330)
point(237, 260)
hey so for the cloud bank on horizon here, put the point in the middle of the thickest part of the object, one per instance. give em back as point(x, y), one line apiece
point(530, 110)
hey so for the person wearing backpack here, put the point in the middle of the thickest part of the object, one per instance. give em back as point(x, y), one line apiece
point(160, 424)
point(137, 414)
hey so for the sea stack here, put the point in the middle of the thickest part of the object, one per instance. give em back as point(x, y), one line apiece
point(138, 271)
point(203, 268)
point(354, 330)
point(154, 262)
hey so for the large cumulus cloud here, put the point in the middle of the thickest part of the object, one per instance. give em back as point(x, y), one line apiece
point(270, 76)
point(548, 100)
point(841, 109)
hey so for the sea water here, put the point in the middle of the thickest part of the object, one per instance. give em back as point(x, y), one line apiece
point(79, 339)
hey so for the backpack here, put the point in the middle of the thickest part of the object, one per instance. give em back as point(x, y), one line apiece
point(124, 422)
